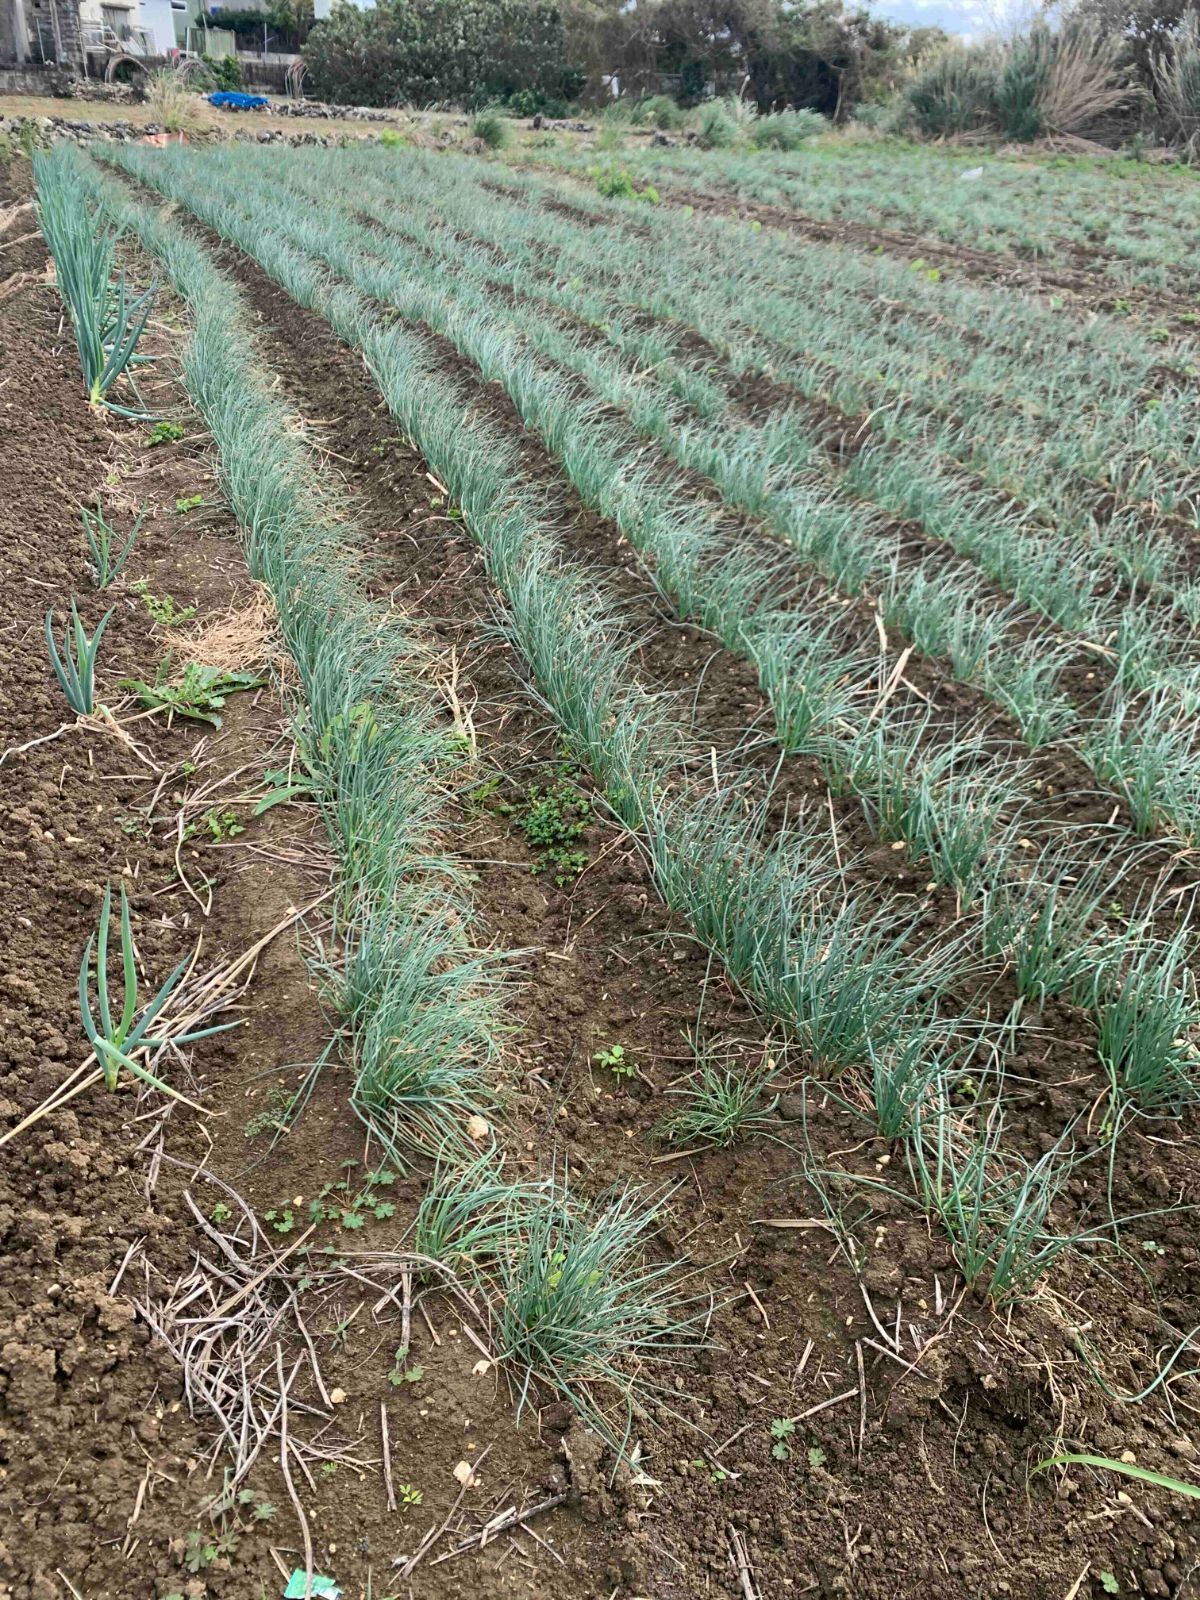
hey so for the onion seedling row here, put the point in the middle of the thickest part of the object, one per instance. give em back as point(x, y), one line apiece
point(769, 902)
point(955, 830)
point(936, 608)
point(1037, 212)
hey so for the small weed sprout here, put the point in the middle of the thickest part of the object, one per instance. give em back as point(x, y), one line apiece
point(162, 608)
point(275, 1116)
point(221, 826)
point(75, 668)
point(164, 432)
point(202, 1550)
point(199, 695)
point(402, 1374)
point(107, 560)
point(552, 821)
point(782, 1429)
point(615, 1060)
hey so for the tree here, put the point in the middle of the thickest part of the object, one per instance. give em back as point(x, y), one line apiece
point(429, 52)
point(1147, 27)
point(785, 53)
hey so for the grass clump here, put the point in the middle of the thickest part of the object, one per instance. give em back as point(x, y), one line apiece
point(1176, 68)
point(577, 1301)
point(953, 91)
point(661, 112)
point(721, 1105)
point(490, 128)
point(786, 130)
point(175, 107)
point(716, 128)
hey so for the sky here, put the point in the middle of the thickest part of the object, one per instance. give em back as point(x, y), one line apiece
point(971, 18)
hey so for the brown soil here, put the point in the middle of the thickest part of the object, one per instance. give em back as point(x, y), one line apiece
point(912, 1480)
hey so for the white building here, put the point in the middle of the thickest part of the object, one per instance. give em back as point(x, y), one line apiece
point(138, 27)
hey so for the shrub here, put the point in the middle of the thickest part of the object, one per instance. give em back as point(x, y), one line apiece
point(529, 102)
point(618, 112)
point(1037, 83)
point(1086, 77)
point(786, 130)
point(430, 52)
point(173, 105)
point(875, 115)
point(954, 91)
point(490, 128)
point(1177, 84)
point(659, 111)
point(1021, 82)
point(225, 71)
point(615, 183)
point(715, 128)
point(288, 21)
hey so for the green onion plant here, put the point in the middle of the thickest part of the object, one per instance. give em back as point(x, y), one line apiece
point(108, 555)
point(106, 318)
point(75, 666)
point(118, 1043)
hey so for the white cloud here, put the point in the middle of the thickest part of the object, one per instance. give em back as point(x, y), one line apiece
point(966, 18)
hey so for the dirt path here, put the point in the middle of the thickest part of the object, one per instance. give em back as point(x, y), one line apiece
point(92, 1213)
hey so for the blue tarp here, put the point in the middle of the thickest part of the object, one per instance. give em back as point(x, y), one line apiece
point(236, 100)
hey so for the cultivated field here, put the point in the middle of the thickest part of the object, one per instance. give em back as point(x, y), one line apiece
point(664, 735)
